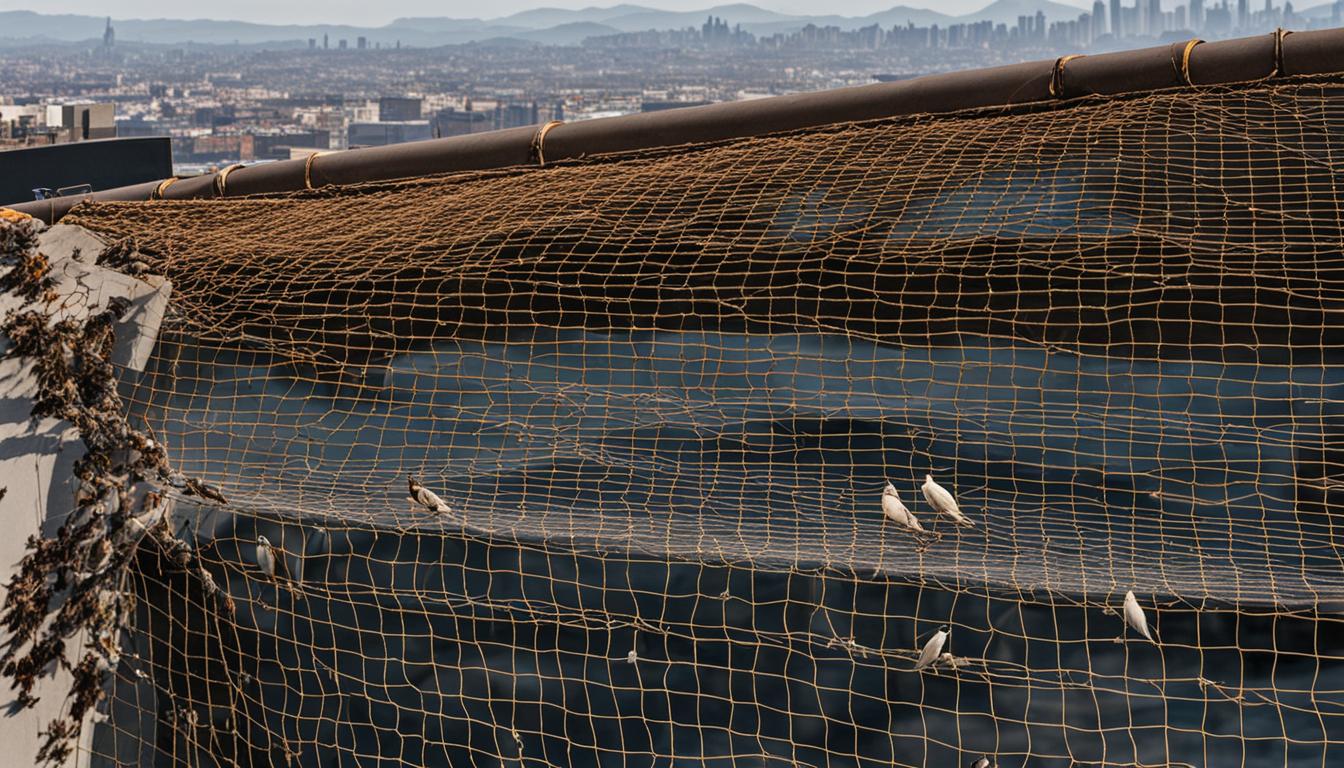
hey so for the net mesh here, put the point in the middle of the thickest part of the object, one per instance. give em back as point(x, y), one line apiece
point(662, 394)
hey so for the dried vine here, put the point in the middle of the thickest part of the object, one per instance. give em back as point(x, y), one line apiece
point(75, 581)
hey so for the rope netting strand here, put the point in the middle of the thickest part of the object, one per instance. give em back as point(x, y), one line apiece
point(660, 397)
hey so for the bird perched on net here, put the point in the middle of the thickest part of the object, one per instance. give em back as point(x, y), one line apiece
point(1134, 616)
point(942, 501)
point(271, 560)
point(933, 649)
point(983, 762)
point(896, 511)
point(427, 498)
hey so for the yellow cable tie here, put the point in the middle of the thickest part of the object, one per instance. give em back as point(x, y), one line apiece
point(1183, 68)
point(163, 187)
point(1279, 34)
point(1057, 75)
point(538, 141)
point(308, 169)
point(221, 178)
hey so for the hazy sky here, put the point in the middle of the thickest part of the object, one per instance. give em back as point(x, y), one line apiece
point(376, 13)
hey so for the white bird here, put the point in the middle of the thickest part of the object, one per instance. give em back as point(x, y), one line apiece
point(271, 559)
point(896, 511)
point(427, 498)
point(932, 649)
point(1134, 616)
point(631, 657)
point(942, 501)
point(983, 762)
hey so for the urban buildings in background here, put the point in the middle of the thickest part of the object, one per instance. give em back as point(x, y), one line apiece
point(226, 104)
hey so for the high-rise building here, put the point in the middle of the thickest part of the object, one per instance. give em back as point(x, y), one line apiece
point(81, 122)
point(1117, 19)
point(1196, 14)
point(399, 109)
point(1155, 18)
point(1098, 19)
point(1243, 14)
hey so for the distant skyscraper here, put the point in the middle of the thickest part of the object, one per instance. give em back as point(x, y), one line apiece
point(325, 43)
point(1040, 24)
point(1155, 25)
point(1243, 14)
point(1098, 19)
point(109, 36)
point(1117, 16)
point(1196, 14)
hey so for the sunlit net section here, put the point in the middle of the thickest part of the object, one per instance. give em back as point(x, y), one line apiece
point(660, 397)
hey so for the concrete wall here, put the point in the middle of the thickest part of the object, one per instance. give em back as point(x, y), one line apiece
point(37, 457)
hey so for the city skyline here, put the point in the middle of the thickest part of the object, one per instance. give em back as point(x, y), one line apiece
point(308, 12)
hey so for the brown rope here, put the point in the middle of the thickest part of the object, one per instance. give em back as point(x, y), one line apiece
point(538, 141)
point(1057, 75)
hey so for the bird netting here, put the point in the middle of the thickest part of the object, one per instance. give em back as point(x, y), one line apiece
point(657, 399)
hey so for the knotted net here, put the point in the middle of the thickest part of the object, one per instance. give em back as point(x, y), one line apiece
point(662, 394)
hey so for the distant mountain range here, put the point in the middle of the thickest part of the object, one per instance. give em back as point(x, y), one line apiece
point(543, 25)
point(554, 26)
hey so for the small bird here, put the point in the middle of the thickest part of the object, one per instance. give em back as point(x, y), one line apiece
point(896, 511)
point(1134, 616)
point(631, 657)
point(983, 762)
point(271, 559)
point(427, 498)
point(195, 487)
point(942, 501)
point(932, 649)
